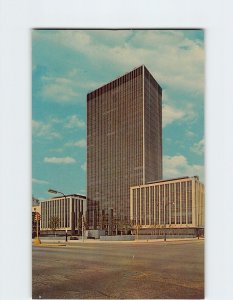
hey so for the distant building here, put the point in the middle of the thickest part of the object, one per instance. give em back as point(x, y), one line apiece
point(68, 210)
point(124, 144)
point(35, 201)
point(174, 204)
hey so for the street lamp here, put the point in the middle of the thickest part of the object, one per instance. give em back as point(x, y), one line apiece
point(83, 228)
point(165, 207)
point(137, 227)
point(164, 217)
point(56, 192)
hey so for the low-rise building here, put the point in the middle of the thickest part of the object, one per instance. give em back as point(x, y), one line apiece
point(67, 213)
point(171, 206)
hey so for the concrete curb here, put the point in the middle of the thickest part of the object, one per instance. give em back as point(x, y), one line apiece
point(50, 245)
point(57, 243)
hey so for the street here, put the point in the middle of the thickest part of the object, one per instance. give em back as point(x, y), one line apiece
point(120, 270)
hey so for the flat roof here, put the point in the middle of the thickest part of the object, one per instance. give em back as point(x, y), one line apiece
point(70, 195)
point(109, 82)
point(169, 179)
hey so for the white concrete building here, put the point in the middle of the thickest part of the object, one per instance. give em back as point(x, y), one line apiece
point(175, 203)
point(68, 210)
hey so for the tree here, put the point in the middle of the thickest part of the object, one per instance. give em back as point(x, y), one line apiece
point(54, 223)
point(120, 226)
point(154, 226)
point(123, 226)
point(138, 227)
point(82, 223)
point(79, 223)
point(103, 221)
point(127, 226)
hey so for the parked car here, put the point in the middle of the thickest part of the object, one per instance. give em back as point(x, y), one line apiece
point(73, 238)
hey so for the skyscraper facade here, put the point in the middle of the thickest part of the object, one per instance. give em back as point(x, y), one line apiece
point(124, 144)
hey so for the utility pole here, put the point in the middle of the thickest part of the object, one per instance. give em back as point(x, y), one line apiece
point(83, 228)
point(137, 232)
point(37, 227)
point(165, 208)
point(164, 216)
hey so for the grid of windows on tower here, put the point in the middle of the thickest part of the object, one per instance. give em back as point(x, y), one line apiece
point(123, 142)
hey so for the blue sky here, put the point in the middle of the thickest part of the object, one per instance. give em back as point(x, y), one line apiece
point(67, 64)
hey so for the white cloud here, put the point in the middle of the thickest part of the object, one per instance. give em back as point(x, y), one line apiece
point(59, 80)
point(84, 167)
point(190, 112)
point(189, 134)
point(59, 92)
point(59, 89)
point(198, 148)
point(58, 150)
point(178, 166)
point(177, 60)
point(171, 114)
point(81, 144)
point(41, 129)
point(75, 122)
point(75, 39)
point(59, 160)
point(38, 181)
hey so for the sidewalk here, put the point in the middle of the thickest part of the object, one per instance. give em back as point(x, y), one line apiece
point(60, 243)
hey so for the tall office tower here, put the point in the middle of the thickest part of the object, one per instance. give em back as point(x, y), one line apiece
point(124, 144)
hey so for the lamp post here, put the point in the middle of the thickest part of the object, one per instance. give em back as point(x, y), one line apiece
point(166, 204)
point(198, 225)
point(73, 214)
point(164, 217)
point(165, 208)
point(56, 192)
point(137, 230)
point(83, 228)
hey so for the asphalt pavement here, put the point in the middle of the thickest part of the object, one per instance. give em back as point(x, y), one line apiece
point(119, 270)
